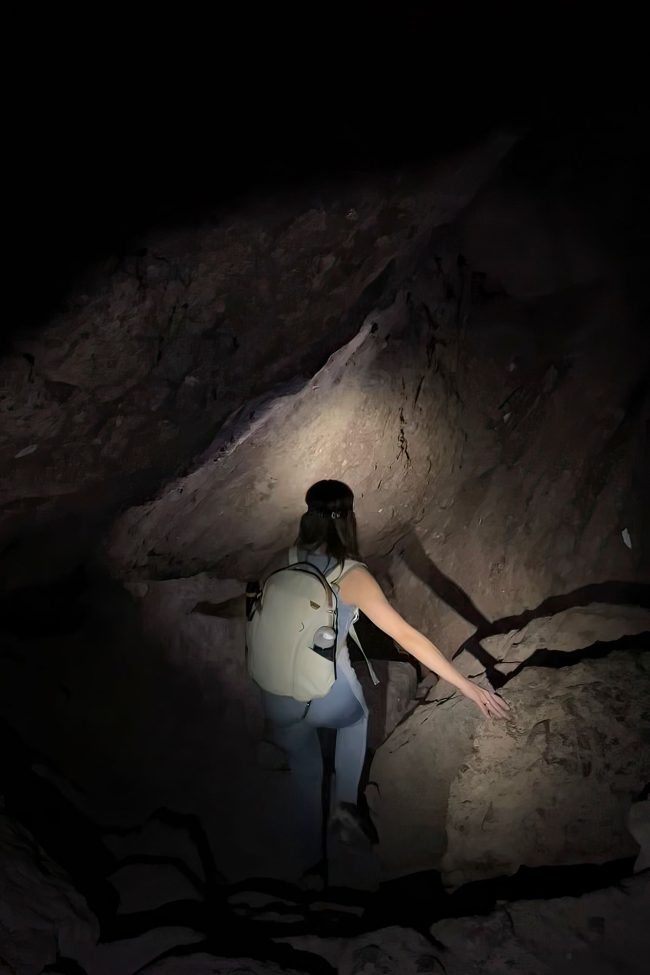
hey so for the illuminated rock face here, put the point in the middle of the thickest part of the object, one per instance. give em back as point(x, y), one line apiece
point(130, 384)
point(476, 375)
point(577, 628)
point(552, 786)
point(378, 415)
point(557, 782)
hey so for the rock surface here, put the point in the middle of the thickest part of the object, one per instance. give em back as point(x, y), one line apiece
point(552, 785)
point(129, 955)
point(638, 823)
point(170, 344)
point(389, 950)
point(571, 629)
point(603, 933)
point(357, 399)
point(143, 887)
point(160, 841)
point(41, 914)
point(204, 964)
point(484, 391)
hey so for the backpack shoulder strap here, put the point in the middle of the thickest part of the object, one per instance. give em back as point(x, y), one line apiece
point(371, 670)
point(348, 565)
point(293, 554)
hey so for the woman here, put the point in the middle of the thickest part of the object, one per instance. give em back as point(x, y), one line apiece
point(327, 536)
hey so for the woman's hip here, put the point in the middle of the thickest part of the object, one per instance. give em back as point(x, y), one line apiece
point(343, 705)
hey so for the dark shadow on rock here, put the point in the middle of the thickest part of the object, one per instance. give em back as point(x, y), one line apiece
point(65, 966)
point(74, 841)
point(55, 609)
point(283, 955)
point(614, 592)
point(237, 931)
point(442, 585)
point(66, 835)
point(180, 821)
point(561, 658)
point(144, 859)
point(418, 900)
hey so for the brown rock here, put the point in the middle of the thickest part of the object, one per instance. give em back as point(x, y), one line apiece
point(136, 378)
point(566, 631)
point(41, 914)
point(552, 785)
point(604, 933)
point(386, 951)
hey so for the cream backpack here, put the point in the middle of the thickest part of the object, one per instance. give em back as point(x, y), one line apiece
point(292, 630)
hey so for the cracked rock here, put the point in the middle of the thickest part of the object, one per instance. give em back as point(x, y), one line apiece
point(41, 914)
point(551, 785)
point(572, 629)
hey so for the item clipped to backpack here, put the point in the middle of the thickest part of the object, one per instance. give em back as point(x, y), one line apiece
point(292, 630)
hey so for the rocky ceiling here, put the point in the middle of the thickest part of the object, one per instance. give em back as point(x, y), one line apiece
point(171, 355)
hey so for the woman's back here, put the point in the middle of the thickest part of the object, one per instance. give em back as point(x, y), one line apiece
point(346, 611)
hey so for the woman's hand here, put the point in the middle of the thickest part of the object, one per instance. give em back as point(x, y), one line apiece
point(491, 705)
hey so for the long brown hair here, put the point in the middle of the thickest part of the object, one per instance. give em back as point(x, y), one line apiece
point(330, 520)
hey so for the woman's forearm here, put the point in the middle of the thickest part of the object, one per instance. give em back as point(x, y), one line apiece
point(429, 655)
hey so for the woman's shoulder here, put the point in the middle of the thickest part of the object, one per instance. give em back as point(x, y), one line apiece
point(355, 576)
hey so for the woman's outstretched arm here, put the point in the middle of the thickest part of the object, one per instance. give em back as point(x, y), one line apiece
point(361, 588)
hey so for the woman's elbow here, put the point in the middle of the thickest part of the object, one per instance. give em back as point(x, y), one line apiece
point(400, 631)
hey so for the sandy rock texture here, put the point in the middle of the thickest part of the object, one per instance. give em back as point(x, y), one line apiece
point(158, 356)
point(466, 346)
point(552, 785)
point(571, 629)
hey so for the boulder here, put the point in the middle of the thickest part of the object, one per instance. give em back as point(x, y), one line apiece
point(572, 629)
point(551, 785)
point(126, 956)
point(41, 914)
point(604, 932)
point(204, 964)
point(145, 886)
point(159, 839)
point(390, 950)
point(638, 823)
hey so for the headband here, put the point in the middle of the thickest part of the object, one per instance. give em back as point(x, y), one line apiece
point(324, 513)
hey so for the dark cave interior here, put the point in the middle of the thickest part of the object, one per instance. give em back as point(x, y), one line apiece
point(366, 248)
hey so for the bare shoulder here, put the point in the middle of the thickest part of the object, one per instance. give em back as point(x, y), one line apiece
point(357, 584)
point(359, 587)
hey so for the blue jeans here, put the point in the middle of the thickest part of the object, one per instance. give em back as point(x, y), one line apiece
point(344, 709)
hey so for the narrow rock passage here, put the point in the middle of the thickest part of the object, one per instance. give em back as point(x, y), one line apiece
point(463, 341)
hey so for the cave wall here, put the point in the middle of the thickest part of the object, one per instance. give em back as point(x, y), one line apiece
point(158, 348)
point(551, 364)
point(472, 363)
